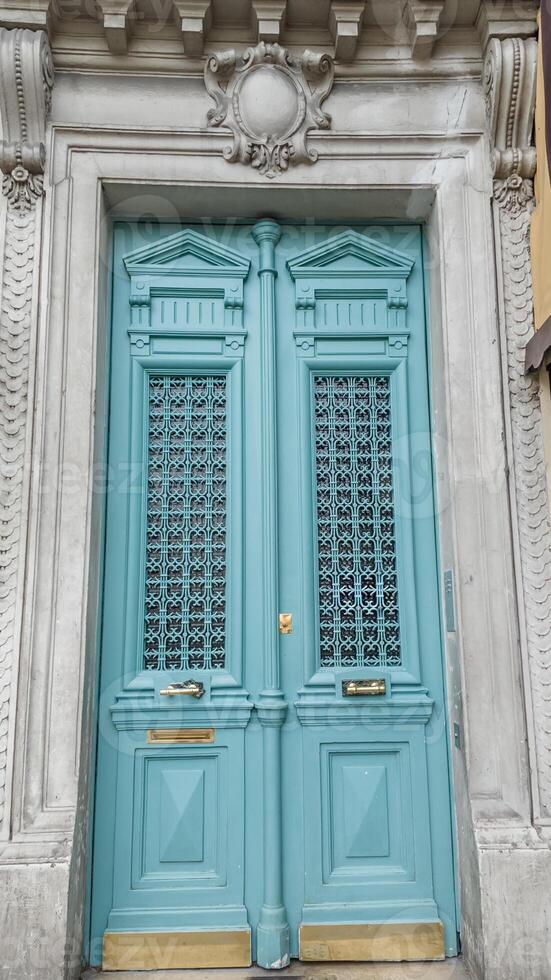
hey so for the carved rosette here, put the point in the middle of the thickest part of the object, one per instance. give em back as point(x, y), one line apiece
point(510, 93)
point(26, 78)
point(271, 101)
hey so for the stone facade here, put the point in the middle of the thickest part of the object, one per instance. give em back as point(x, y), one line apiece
point(428, 118)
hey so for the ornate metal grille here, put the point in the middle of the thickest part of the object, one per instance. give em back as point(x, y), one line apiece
point(357, 580)
point(185, 581)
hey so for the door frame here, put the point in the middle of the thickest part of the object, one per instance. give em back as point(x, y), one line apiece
point(443, 180)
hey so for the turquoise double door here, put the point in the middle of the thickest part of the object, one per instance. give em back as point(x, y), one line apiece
point(272, 766)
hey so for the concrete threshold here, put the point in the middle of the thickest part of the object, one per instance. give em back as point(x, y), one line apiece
point(452, 969)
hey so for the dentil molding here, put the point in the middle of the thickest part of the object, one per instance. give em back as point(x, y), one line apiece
point(26, 79)
point(422, 18)
point(510, 82)
point(270, 100)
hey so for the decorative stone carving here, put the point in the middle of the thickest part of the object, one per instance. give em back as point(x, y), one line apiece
point(505, 20)
point(15, 329)
point(510, 89)
point(270, 100)
point(26, 77)
point(509, 79)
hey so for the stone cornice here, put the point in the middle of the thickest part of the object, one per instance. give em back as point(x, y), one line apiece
point(26, 79)
point(345, 24)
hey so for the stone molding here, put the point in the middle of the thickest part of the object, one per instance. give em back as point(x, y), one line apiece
point(292, 91)
point(509, 81)
point(471, 416)
point(26, 77)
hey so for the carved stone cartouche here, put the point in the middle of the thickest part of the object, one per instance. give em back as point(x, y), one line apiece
point(270, 100)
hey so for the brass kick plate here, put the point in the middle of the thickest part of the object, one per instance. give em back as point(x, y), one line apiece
point(285, 623)
point(372, 942)
point(351, 689)
point(180, 736)
point(176, 950)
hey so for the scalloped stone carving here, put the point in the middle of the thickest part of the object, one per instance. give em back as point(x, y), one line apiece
point(509, 79)
point(270, 100)
point(529, 465)
point(15, 331)
point(26, 77)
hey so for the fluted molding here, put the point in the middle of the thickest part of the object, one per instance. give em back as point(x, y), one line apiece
point(509, 77)
point(26, 78)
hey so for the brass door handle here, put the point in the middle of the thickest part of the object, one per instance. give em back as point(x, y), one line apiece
point(352, 689)
point(195, 688)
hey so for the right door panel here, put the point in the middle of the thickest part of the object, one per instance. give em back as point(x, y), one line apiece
point(358, 568)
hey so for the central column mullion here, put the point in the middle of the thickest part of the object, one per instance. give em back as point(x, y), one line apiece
point(273, 928)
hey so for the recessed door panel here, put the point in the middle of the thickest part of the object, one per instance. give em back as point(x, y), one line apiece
point(181, 817)
point(373, 835)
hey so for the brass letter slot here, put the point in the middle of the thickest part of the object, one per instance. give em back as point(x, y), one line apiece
point(179, 736)
point(195, 688)
point(352, 689)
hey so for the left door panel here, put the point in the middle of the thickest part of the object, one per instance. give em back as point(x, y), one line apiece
point(168, 872)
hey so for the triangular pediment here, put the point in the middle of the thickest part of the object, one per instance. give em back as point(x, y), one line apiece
point(184, 253)
point(350, 253)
